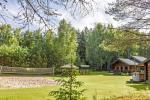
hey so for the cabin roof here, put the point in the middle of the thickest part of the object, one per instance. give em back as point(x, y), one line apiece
point(147, 60)
point(126, 61)
point(84, 66)
point(139, 58)
point(68, 66)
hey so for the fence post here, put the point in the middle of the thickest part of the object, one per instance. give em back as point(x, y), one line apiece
point(0, 69)
point(53, 71)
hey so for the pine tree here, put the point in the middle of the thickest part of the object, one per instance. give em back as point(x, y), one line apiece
point(67, 40)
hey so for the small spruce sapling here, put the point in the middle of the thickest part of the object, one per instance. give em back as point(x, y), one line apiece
point(69, 89)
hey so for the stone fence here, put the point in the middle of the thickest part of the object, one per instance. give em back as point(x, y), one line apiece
point(21, 70)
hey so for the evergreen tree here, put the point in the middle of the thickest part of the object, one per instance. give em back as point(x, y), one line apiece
point(67, 40)
point(94, 53)
point(82, 45)
point(50, 50)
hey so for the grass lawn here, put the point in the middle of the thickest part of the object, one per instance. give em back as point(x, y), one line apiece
point(102, 84)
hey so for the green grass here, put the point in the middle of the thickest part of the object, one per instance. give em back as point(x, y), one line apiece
point(26, 94)
point(102, 84)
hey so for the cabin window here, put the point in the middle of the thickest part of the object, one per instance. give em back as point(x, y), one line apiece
point(117, 68)
point(130, 68)
point(142, 69)
point(121, 68)
point(126, 68)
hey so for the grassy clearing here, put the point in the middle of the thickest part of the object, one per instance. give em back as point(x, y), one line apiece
point(101, 84)
point(26, 94)
point(144, 95)
point(104, 85)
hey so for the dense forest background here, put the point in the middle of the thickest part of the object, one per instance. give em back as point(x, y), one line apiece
point(97, 46)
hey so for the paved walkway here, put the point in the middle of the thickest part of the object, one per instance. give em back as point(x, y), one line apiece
point(25, 82)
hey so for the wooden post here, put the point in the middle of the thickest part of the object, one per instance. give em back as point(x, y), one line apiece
point(128, 68)
point(0, 69)
point(53, 71)
point(119, 69)
point(123, 67)
point(146, 71)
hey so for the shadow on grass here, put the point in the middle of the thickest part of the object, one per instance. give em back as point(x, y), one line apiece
point(140, 86)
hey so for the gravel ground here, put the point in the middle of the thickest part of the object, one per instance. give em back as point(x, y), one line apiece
point(25, 82)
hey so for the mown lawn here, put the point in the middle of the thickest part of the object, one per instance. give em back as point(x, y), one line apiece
point(102, 84)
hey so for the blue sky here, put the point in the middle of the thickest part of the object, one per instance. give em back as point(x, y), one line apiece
point(98, 15)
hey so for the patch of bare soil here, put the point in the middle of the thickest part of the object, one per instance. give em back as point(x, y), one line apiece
point(25, 82)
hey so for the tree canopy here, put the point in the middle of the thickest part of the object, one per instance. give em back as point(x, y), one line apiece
point(97, 47)
point(134, 13)
point(33, 49)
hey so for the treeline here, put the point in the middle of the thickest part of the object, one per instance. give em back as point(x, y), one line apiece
point(96, 47)
point(101, 45)
point(37, 49)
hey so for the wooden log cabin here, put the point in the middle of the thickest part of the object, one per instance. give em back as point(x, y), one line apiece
point(133, 64)
point(147, 70)
point(137, 65)
point(124, 65)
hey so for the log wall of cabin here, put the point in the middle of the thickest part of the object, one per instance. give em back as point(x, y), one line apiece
point(119, 66)
point(142, 77)
point(134, 68)
point(149, 72)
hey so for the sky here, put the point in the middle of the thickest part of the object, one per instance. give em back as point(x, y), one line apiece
point(96, 16)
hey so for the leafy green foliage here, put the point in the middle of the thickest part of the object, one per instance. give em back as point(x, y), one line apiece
point(126, 42)
point(13, 55)
point(5, 34)
point(96, 47)
point(82, 46)
point(67, 41)
point(96, 55)
point(36, 49)
point(104, 44)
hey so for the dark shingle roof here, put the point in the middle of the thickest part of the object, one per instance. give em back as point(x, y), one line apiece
point(126, 61)
point(139, 58)
point(147, 60)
